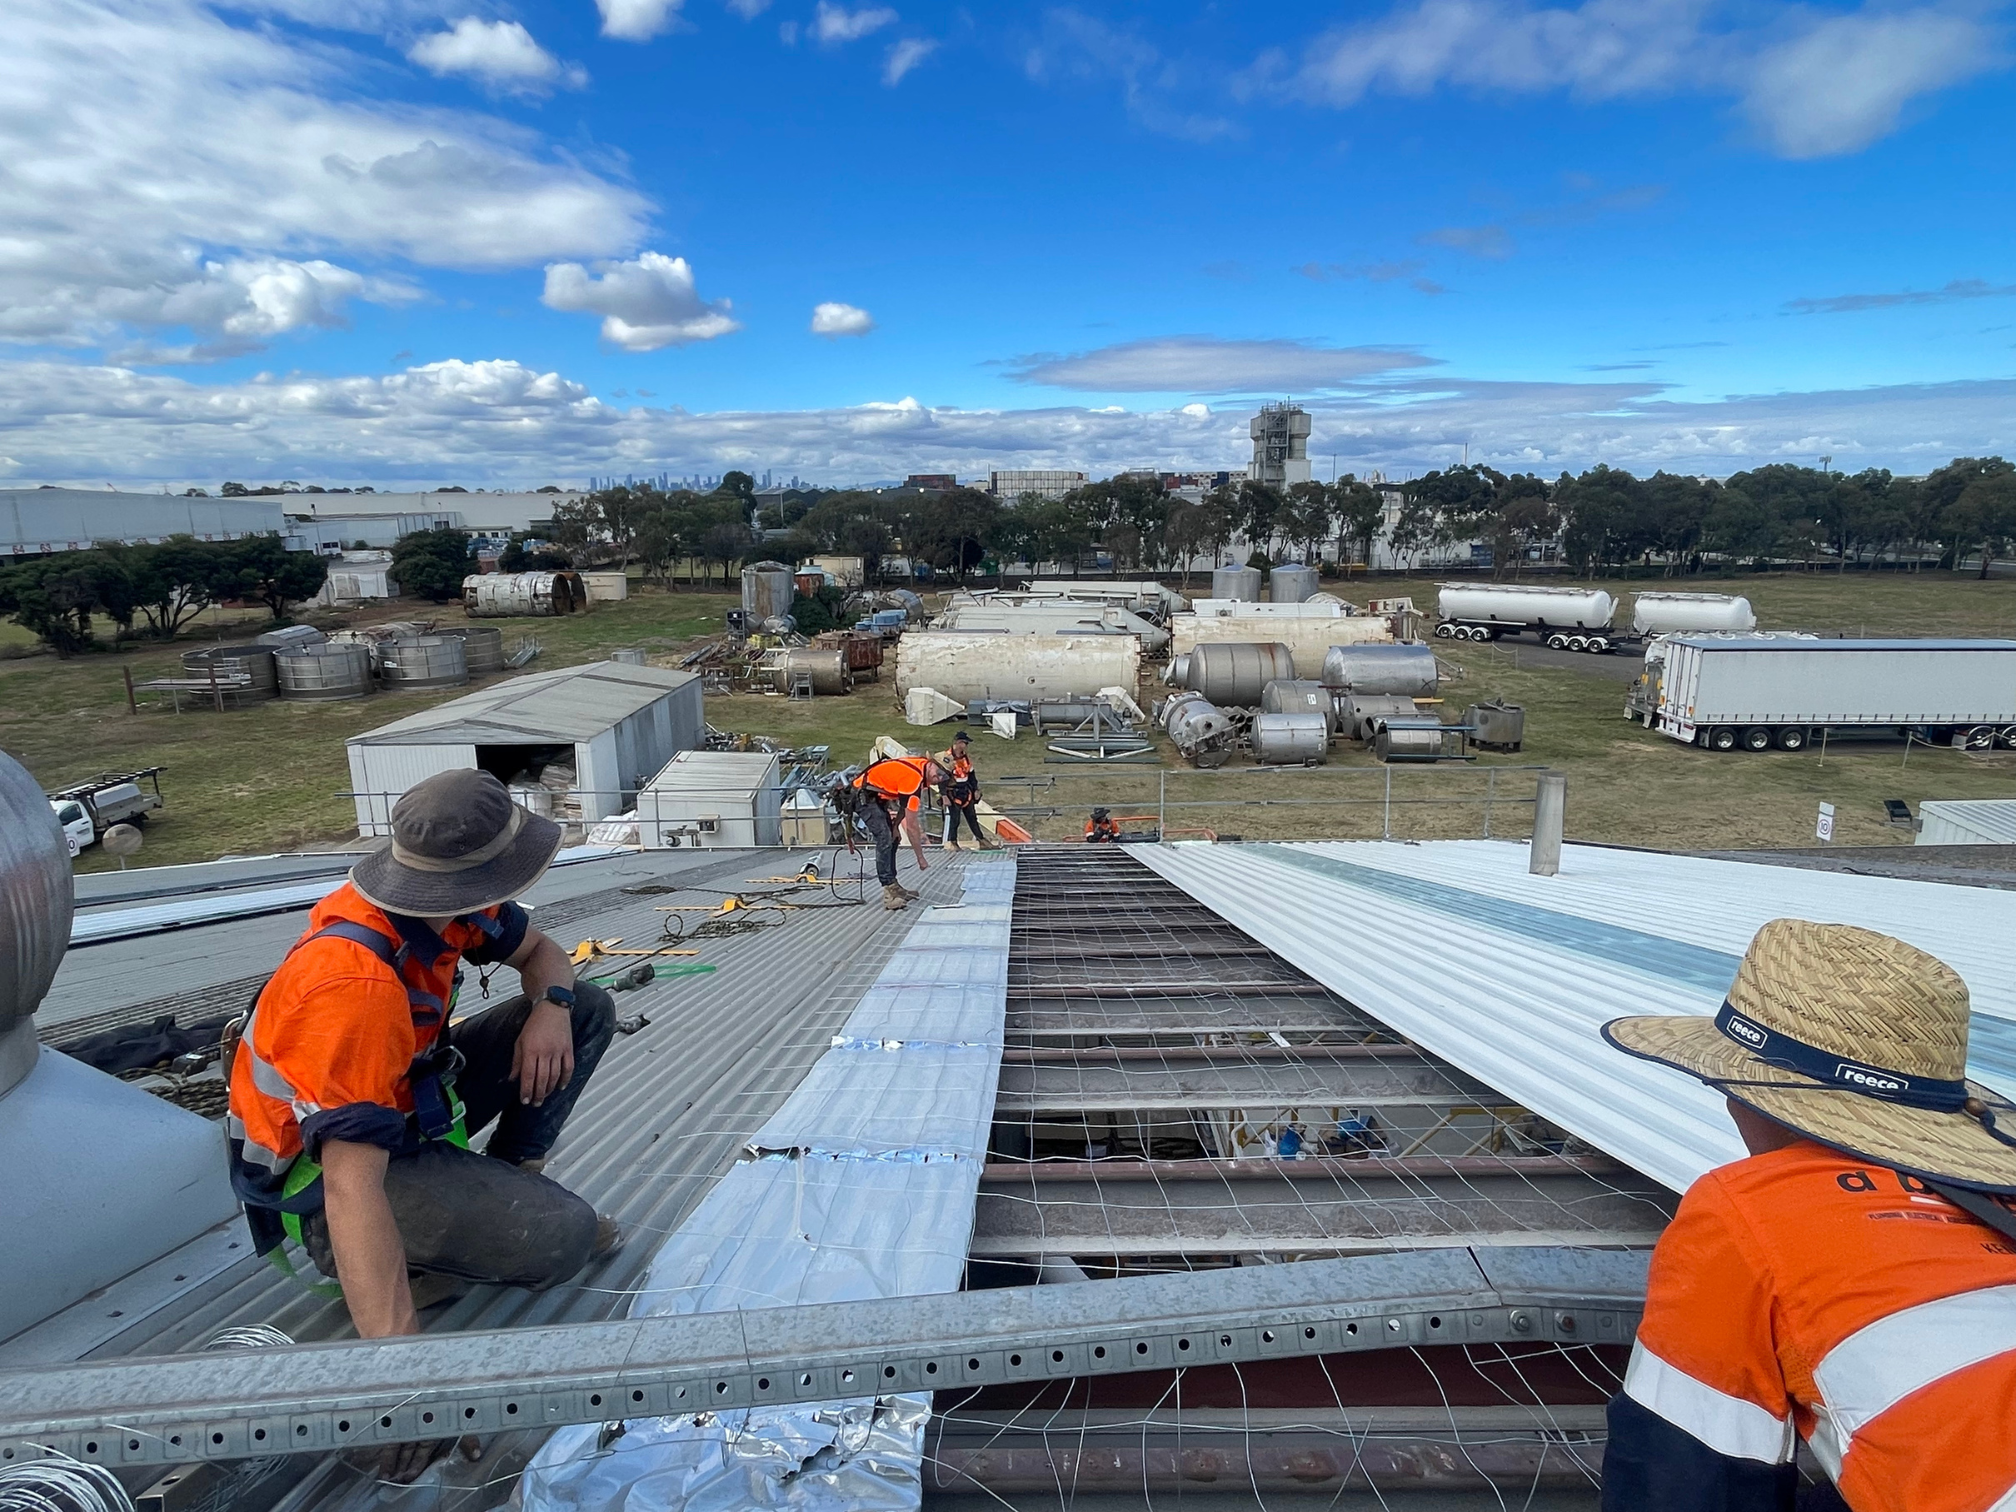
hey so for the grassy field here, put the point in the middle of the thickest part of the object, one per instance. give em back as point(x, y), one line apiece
point(268, 777)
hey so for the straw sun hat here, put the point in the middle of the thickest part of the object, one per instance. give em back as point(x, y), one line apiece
point(1854, 1039)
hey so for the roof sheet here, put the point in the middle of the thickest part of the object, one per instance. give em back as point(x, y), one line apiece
point(1990, 821)
point(1774, 643)
point(1509, 976)
point(561, 704)
point(716, 773)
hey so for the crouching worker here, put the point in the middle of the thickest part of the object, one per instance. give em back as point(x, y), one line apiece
point(1853, 1282)
point(353, 1099)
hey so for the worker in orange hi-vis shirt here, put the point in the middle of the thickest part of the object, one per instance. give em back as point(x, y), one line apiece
point(1852, 1283)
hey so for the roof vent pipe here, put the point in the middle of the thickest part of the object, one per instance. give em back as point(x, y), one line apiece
point(1550, 808)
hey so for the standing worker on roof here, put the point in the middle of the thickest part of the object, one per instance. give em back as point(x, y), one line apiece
point(1852, 1283)
point(889, 789)
point(353, 1097)
point(961, 792)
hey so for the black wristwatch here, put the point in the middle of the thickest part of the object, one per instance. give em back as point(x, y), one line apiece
point(564, 996)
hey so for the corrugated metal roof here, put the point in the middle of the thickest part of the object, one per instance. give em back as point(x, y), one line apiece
point(1979, 821)
point(564, 704)
point(1775, 643)
point(716, 773)
point(1509, 976)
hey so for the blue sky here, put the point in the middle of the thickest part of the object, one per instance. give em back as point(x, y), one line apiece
point(410, 242)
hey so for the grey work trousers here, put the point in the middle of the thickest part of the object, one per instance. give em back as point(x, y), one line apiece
point(480, 1217)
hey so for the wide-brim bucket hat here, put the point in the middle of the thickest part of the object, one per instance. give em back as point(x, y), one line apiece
point(1852, 1038)
point(459, 846)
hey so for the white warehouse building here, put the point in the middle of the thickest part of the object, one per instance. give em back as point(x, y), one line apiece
point(616, 725)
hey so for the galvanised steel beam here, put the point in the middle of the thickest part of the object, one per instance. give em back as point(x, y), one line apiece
point(321, 1397)
point(1402, 1078)
point(1216, 1207)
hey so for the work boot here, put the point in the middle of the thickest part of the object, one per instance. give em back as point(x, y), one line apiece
point(951, 845)
point(609, 1237)
point(894, 898)
point(909, 892)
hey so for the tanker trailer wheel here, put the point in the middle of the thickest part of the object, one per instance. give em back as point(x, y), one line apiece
point(1480, 632)
point(1980, 738)
point(1578, 643)
point(1557, 641)
point(1723, 739)
point(1792, 738)
point(2008, 737)
point(1445, 632)
point(1757, 738)
point(1598, 645)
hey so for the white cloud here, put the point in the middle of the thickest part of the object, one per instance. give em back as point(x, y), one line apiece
point(231, 170)
point(904, 56)
point(835, 23)
point(501, 53)
point(1479, 241)
point(1814, 84)
point(499, 422)
point(1843, 84)
point(646, 303)
point(637, 20)
point(835, 319)
point(1077, 47)
point(748, 10)
point(1207, 365)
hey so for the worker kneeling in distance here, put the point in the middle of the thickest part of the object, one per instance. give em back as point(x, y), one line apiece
point(353, 1099)
point(889, 790)
point(1853, 1282)
point(1100, 828)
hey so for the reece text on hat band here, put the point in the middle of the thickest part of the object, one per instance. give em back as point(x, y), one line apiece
point(474, 858)
point(1933, 1094)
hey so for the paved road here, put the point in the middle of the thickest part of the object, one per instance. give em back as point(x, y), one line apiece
point(1619, 666)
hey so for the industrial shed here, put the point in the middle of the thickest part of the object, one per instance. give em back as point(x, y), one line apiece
point(712, 799)
point(1967, 821)
point(614, 723)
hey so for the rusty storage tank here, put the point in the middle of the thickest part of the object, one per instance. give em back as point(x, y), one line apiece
point(423, 661)
point(247, 669)
point(1299, 697)
point(1292, 583)
point(1236, 583)
point(507, 595)
point(767, 590)
point(1198, 728)
point(1291, 739)
point(326, 672)
point(1406, 670)
point(1234, 673)
point(827, 667)
point(482, 648)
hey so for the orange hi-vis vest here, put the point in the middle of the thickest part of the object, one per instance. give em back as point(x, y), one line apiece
point(895, 777)
point(1807, 1291)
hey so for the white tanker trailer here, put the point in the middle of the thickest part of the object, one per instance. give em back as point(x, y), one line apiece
point(1571, 619)
point(1690, 614)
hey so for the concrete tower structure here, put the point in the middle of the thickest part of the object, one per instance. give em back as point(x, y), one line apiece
point(1280, 445)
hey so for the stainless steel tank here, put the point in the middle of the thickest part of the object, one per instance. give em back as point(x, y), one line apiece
point(1298, 697)
point(1292, 583)
point(1236, 583)
point(1498, 726)
point(1359, 715)
point(325, 672)
point(35, 902)
point(1407, 670)
point(482, 648)
point(1409, 740)
point(423, 661)
point(828, 668)
point(1234, 673)
point(1198, 728)
point(245, 674)
point(767, 590)
point(1291, 739)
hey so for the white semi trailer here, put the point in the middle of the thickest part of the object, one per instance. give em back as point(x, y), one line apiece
point(1568, 619)
point(1751, 693)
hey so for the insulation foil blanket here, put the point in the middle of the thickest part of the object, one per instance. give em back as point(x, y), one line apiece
point(861, 1185)
point(1510, 976)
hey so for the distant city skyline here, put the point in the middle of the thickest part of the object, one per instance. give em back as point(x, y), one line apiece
point(401, 242)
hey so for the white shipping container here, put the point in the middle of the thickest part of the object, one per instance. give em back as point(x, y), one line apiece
point(1718, 684)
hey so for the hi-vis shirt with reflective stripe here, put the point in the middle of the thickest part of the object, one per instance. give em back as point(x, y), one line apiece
point(1803, 1292)
point(895, 777)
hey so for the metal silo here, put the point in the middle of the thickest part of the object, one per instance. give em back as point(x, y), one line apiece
point(325, 672)
point(1236, 583)
point(767, 590)
point(482, 648)
point(1292, 583)
point(245, 674)
point(424, 661)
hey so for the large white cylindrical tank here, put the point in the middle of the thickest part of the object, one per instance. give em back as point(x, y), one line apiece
point(1310, 637)
point(1051, 617)
point(1291, 583)
point(1679, 613)
point(1291, 739)
point(1235, 675)
point(767, 590)
point(1407, 671)
point(965, 666)
point(1556, 608)
point(499, 595)
point(1236, 583)
point(1323, 607)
